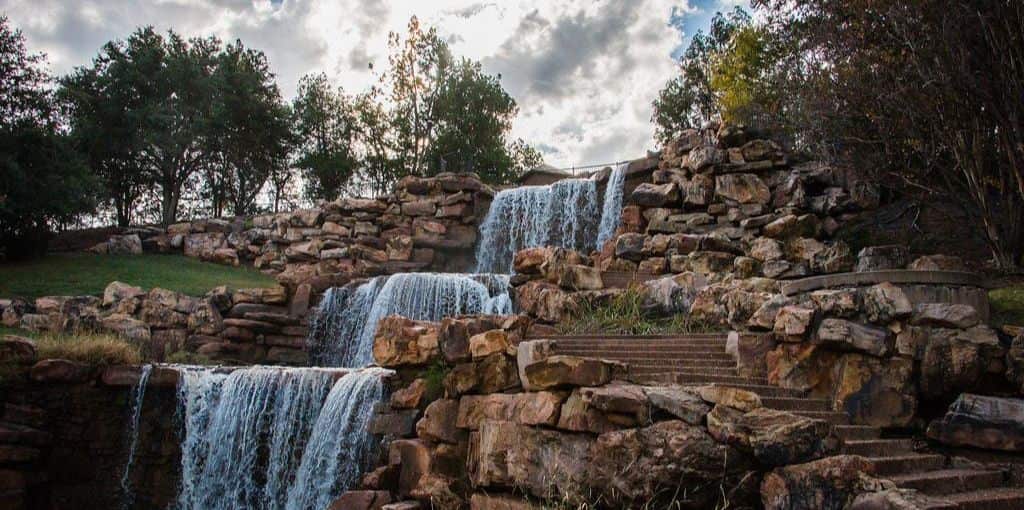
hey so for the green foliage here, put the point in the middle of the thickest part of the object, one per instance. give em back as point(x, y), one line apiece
point(1007, 305)
point(625, 314)
point(81, 274)
point(43, 181)
point(326, 123)
point(434, 377)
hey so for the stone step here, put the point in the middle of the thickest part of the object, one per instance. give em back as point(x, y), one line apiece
point(639, 338)
point(833, 417)
point(763, 390)
point(857, 432)
point(672, 362)
point(640, 354)
point(687, 377)
point(658, 351)
point(1004, 498)
point(679, 369)
point(903, 464)
point(949, 481)
point(640, 344)
point(877, 447)
point(796, 403)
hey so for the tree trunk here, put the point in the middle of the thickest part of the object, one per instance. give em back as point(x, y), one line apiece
point(169, 205)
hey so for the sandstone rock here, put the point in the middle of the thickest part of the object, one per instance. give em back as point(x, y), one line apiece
point(742, 188)
point(728, 396)
point(400, 341)
point(669, 460)
point(528, 353)
point(804, 367)
point(672, 294)
point(130, 244)
point(776, 438)
point(565, 371)
point(875, 392)
point(763, 319)
point(766, 249)
point(835, 258)
point(751, 355)
point(630, 246)
point(497, 372)
point(1015, 363)
point(531, 260)
point(654, 195)
point(678, 401)
point(849, 336)
point(578, 414)
point(758, 150)
point(704, 156)
point(945, 315)
point(17, 349)
point(411, 396)
point(60, 371)
point(793, 323)
point(837, 302)
point(937, 263)
point(791, 226)
point(413, 456)
point(544, 301)
point(991, 423)
point(885, 302)
point(489, 342)
point(956, 361)
point(438, 422)
point(892, 499)
point(361, 500)
point(126, 327)
point(831, 483)
point(536, 408)
point(579, 277)
point(499, 502)
point(878, 258)
point(117, 291)
point(393, 422)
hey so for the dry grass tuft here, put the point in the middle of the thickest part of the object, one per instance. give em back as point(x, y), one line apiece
point(625, 314)
point(92, 348)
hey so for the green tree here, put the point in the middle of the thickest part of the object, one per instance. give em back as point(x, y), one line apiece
point(250, 129)
point(44, 182)
point(326, 125)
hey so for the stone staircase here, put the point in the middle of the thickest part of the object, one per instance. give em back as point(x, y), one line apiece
point(702, 359)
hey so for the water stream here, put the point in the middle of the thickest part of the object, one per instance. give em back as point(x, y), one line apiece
point(611, 210)
point(343, 326)
point(127, 491)
point(563, 214)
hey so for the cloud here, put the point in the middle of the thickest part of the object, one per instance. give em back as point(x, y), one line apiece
point(584, 72)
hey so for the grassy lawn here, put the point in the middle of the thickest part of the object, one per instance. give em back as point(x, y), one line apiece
point(1007, 305)
point(86, 273)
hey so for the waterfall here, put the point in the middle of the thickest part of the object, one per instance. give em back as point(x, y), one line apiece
point(562, 214)
point(342, 329)
point(248, 433)
point(339, 447)
point(127, 494)
point(611, 212)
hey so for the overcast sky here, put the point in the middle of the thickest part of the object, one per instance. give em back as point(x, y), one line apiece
point(584, 72)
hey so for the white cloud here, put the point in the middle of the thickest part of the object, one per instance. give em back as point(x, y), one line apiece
point(584, 72)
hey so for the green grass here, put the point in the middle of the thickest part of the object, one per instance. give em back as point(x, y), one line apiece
point(624, 314)
point(86, 273)
point(1007, 305)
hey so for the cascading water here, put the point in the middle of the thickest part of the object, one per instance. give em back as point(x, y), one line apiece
point(342, 329)
point(562, 214)
point(248, 434)
point(611, 210)
point(127, 493)
point(339, 448)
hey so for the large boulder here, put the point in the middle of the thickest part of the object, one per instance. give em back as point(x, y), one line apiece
point(774, 437)
point(672, 294)
point(875, 392)
point(956, 361)
point(681, 402)
point(879, 258)
point(831, 483)
point(885, 302)
point(992, 423)
point(562, 371)
point(438, 422)
point(534, 408)
point(845, 335)
point(945, 315)
point(17, 349)
point(655, 195)
point(742, 188)
point(401, 342)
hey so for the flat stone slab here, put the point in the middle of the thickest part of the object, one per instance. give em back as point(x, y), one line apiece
point(895, 276)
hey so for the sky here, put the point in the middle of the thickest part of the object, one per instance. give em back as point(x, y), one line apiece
point(584, 72)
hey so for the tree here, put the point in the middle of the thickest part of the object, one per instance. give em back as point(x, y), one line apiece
point(473, 114)
point(927, 92)
point(43, 181)
point(249, 129)
point(326, 125)
point(689, 99)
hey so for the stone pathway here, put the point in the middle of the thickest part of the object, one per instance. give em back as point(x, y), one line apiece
point(702, 359)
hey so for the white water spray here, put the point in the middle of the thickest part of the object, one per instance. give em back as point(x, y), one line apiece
point(246, 433)
point(342, 330)
point(127, 492)
point(563, 214)
point(611, 211)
